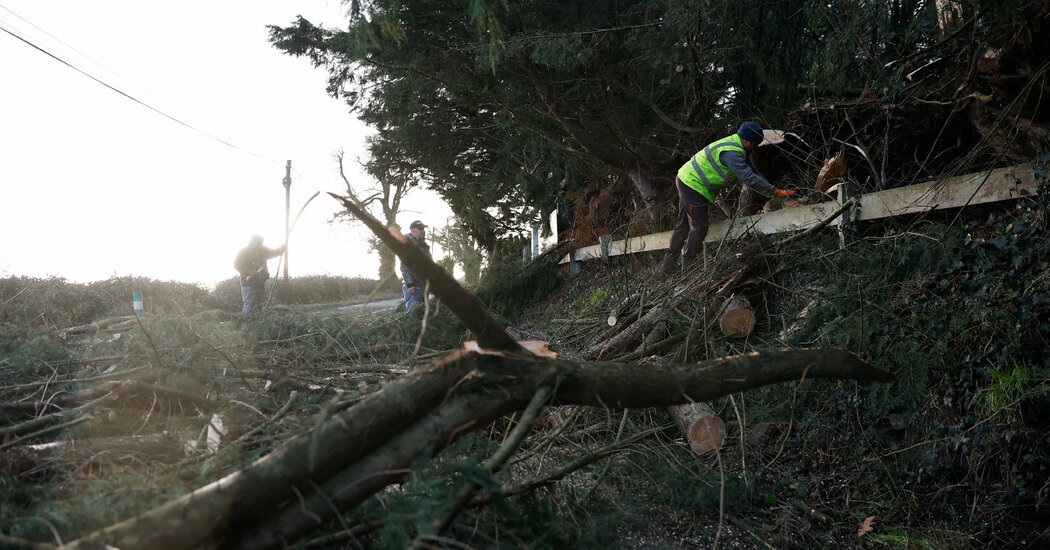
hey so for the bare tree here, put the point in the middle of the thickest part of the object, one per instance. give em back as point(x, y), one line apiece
point(386, 197)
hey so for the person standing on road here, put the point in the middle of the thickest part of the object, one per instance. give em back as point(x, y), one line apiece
point(701, 179)
point(251, 264)
point(413, 288)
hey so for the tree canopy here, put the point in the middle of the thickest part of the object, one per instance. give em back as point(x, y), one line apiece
point(505, 107)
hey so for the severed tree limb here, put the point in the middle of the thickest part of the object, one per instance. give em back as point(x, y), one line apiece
point(45, 420)
point(634, 332)
point(725, 284)
point(466, 306)
point(558, 474)
point(483, 499)
point(491, 466)
point(115, 323)
point(386, 465)
point(44, 431)
point(360, 450)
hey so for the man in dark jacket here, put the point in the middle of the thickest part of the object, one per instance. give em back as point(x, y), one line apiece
point(251, 264)
point(413, 288)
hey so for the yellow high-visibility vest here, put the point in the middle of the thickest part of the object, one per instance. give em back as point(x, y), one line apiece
point(705, 172)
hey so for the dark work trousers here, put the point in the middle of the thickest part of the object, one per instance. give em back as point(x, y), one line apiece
point(692, 221)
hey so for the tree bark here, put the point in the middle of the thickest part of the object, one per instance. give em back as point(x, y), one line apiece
point(364, 448)
point(360, 450)
point(703, 429)
point(634, 332)
point(467, 307)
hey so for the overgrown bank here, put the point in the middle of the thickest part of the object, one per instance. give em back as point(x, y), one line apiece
point(950, 455)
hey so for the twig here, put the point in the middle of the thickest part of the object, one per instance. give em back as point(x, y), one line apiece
point(423, 322)
point(823, 223)
point(44, 420)
point(747, 529)
point(864, 153)
point(329, 541)
point(791, 421)
point(550, 439)
point(740, 422)
point(277, 416)
point(605, 468)
point(276, 280)
point(18, 440)
point(75, 379)
point(491, 466)
point(721, 496)
point(655, 348)
point(232, 363)
point(149, 338)
point(809, 510)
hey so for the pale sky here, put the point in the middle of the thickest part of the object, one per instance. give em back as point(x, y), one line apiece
point(95, 185)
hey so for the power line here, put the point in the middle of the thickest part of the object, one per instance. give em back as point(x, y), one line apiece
point(60, 41)
point(146, 105)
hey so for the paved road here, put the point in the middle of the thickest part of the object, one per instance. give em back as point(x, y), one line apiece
point(384, 304)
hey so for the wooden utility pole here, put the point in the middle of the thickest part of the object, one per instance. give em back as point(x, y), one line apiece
point(287, 208)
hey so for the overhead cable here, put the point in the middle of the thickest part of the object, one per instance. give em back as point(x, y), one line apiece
point(128, 96)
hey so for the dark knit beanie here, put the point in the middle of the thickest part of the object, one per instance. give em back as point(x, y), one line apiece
point(751, 131)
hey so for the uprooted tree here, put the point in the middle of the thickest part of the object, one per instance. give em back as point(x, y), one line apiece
point(359, 450)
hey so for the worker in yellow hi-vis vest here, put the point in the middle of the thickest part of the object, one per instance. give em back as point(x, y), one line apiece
point(701, 179)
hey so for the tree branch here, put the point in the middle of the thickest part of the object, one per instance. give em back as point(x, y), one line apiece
point(466, 306)
point(359, 451)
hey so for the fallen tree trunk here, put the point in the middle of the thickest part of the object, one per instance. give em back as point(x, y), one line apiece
point(116, 323)
point(360, 450)
point(368, 446)
point(747, 267)
point(466, 306)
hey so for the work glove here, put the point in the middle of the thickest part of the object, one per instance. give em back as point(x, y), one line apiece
point(783, 192)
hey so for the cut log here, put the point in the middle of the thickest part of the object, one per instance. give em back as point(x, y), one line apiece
point(703, 429)
point(115, 323)
point(738, 318)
